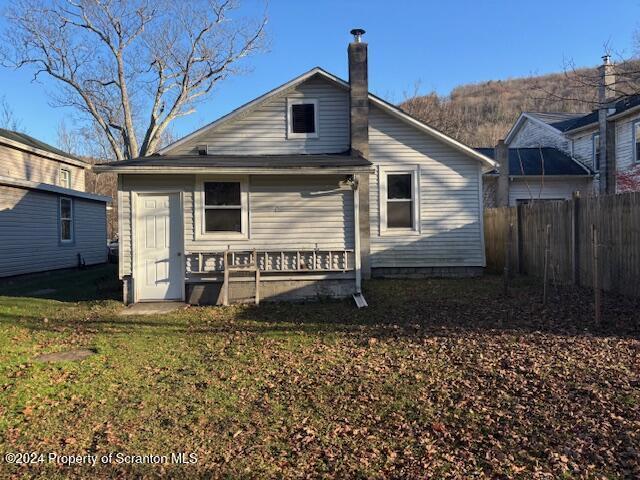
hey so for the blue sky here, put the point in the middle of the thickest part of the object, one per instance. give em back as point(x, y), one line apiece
point(438, 44)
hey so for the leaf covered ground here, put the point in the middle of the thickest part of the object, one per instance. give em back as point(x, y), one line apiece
point(437, 378)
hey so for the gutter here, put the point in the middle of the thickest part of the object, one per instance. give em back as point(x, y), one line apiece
point(232, 170)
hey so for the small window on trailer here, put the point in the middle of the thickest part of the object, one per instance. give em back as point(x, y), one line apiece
point(65, 177)
point(66, 219)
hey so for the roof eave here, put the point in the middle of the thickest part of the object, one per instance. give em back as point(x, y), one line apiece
point(153, 169)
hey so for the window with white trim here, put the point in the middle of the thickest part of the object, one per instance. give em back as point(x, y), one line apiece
point(66, 219)
point(636, 141)
point(302, 118)
point(222, 208)
point(65, 177)
point(596, 151)
point(399, 193)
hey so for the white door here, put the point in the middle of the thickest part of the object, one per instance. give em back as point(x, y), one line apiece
point(159, 269)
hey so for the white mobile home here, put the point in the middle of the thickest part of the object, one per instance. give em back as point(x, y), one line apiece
point(47, 220)
point(310, 188)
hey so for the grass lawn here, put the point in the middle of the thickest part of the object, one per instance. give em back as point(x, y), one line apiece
point(437, 378)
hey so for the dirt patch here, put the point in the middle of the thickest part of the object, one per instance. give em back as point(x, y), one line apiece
point(68, 356)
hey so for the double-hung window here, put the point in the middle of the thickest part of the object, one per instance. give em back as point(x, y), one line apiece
point(66, 220)
point(399, 209)
point(596, 151)
point(224, 208)
point(636, 141)
point(65, 177)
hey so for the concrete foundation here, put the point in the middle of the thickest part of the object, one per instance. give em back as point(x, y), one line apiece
point(426, 272)
point(210, 293)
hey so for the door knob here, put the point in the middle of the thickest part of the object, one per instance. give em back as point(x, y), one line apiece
point(179, 254)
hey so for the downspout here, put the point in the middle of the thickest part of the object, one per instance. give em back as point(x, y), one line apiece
point(356, 234)
point(357, 296)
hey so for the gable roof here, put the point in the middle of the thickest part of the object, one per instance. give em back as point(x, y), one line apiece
point(29, 141)
point(540, 161)
point(384, 105)
point(556, 122)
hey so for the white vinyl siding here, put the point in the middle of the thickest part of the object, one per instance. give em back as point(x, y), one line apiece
point(22, 165)
point(583, 148)
point(625, 143)
point(285, 213)
point(536, 189)
point(450, 207)
point(29, 232)
point(532, 134)
point(264, 130)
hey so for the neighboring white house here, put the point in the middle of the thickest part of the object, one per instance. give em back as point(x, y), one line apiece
point(605, 141)
point(325, 181)
point(47, 220)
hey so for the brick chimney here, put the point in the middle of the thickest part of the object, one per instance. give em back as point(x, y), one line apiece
point(606, 88)
point(359, 94)
point(606, 129)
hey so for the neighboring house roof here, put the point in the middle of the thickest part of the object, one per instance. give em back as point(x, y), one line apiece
point(558, 120)
point(620, 108)
point(386, 106)
point(540, 161)
point(29, 141)
point(45, 187)
point(254, 163)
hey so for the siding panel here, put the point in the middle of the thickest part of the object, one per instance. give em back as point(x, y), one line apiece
point(449, 199)
point(15, 163)
point(29, 232)
point(264, 130)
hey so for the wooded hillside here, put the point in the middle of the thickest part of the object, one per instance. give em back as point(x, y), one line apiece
point(480, 114)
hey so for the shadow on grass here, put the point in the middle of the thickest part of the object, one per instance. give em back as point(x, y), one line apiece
point(99, 282)
point(398, 308)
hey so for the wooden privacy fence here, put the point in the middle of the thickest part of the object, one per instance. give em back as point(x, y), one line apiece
point(565, 230)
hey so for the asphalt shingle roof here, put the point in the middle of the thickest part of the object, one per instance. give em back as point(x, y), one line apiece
point(246, 161)
point(33, 142)
point(539, 161)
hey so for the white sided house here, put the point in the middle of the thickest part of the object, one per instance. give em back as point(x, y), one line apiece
point(47, 220)
point(299, 194)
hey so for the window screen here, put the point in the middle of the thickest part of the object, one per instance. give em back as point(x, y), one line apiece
point(399, 201)
point(65, 178)
point(66, 220)
point(222, 207)
point(636, 139)
point(303, 118)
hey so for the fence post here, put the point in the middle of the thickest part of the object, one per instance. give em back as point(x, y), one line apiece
point(547, 252)
point(596, 275)
point(507, 258)
point(520, 239)
point(575, 238)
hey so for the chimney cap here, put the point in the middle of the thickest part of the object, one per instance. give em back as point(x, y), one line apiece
point(606, 59)
point(357, 34)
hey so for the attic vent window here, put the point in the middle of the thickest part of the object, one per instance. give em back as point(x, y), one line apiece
point(302, 118)
point(202, 149)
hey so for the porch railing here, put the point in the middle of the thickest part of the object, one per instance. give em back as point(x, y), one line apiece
point(273, 260)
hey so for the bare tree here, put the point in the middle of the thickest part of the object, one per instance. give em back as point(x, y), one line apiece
point(8, 117)
point(130, 66)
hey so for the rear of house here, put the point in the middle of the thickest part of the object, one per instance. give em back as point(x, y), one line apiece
point(47, 220)
point(302, 192)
